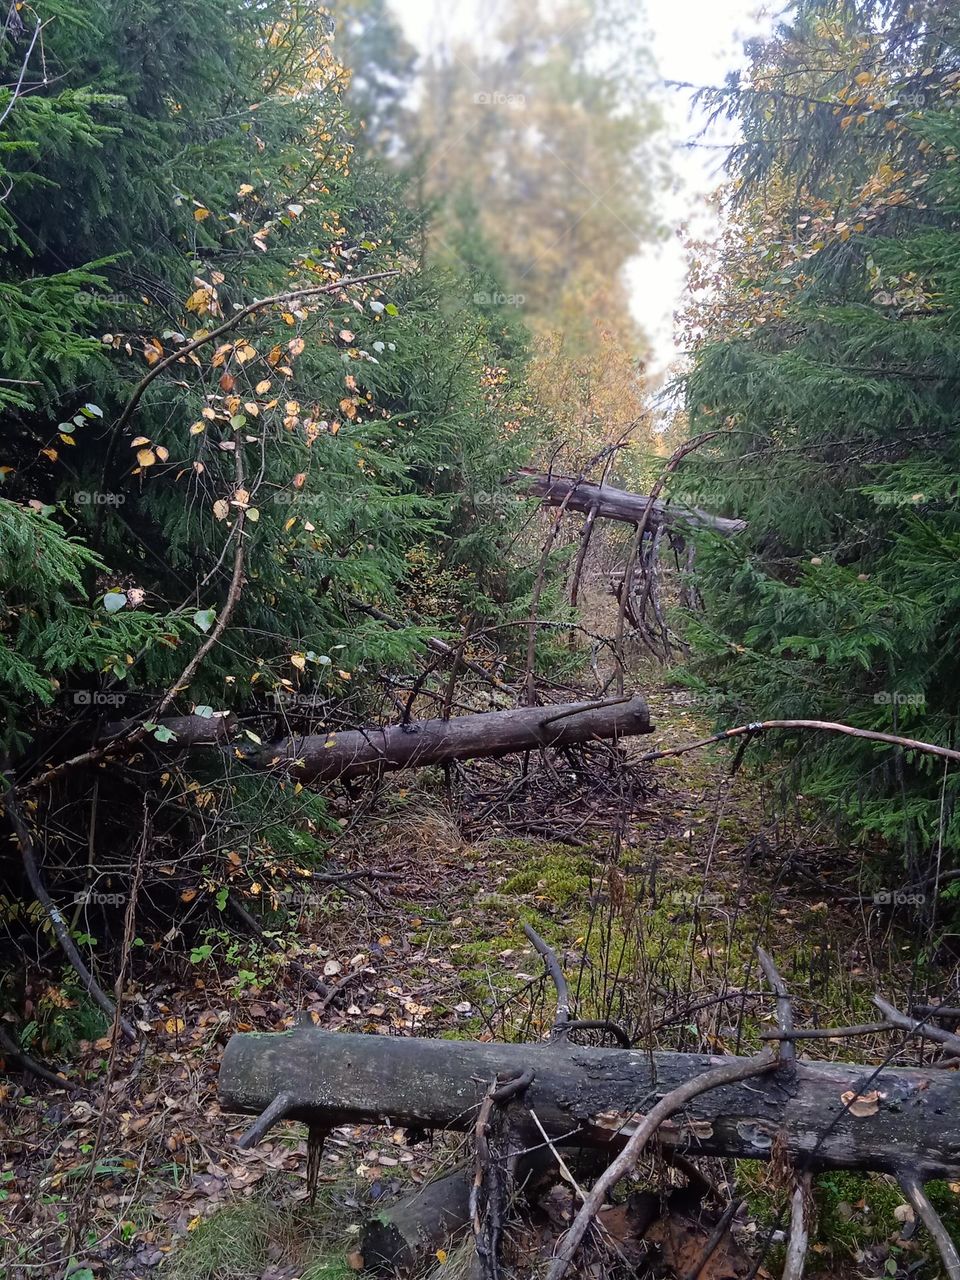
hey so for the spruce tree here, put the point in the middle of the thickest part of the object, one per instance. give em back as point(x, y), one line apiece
point(168, 166)
point(829, 364)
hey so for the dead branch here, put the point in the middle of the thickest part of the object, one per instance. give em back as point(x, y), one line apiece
point(798, 1238)
point(914, 1028)
point(913, 1189)
point(552, 964)
point(788, 1052)
point(715, 1240)
point(625, 1162)
point(12, 1050)
point(616, 504)
point(306, 977)
point(828, 1033)
point(637, 540)
point(823, 726)
point(60, 929)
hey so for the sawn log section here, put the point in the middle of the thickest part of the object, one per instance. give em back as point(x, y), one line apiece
point(586, 1095)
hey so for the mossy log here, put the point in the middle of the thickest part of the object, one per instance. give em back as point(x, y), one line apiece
point(585, 1095)
point(618, 504)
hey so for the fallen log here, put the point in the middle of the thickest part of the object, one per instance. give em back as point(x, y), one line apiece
point(353, 752)
point(585, 1096)
point(618, 504)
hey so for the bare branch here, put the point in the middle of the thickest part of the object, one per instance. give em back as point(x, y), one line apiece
point(914, 1027)
point(668, 1106)
point(60, 929)
point(913, 1190)
point(788, 1052)
point(823, 726)
point(549, 957)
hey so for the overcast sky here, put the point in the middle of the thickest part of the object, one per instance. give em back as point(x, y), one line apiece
point(696, 41)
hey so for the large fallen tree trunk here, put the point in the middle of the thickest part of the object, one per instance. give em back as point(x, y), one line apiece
point(350, 753)
point(905, 1119)
point(618, 504)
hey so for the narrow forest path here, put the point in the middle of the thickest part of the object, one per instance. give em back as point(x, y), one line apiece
point(654, 894)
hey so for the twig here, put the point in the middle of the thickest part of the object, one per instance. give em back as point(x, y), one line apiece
point(561, 1163)
point(916, 1028)
point(23, 71)
point(600, 1024)
point(487, 1229)
point(788, 1052)
point(912, 1188)
point(344, 877)
point(67, 945)
point(335, 989)
point(668, 1106)
point(552, 964)
point(315, 984)
point(80, 1210)
point(824, 726)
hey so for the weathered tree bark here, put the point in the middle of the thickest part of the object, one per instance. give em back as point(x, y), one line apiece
point(584, 1095)
point(350, 753)
point(618, 504)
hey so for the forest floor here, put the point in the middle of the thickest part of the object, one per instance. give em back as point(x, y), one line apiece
point(655, 895)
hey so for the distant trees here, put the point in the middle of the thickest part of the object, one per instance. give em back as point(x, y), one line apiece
point(550, 132)
point(828, 355)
